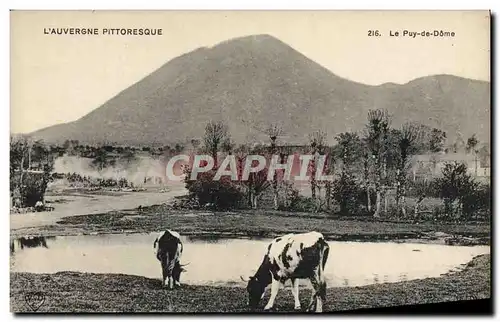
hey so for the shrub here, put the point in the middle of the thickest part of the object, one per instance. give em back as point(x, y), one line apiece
point(421, 187)
point(301, 203)
point(477, 203)
point(349, 195)
point(462, 195)
point(33, 188)
point(222, 194)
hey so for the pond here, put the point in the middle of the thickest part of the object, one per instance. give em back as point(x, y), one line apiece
point(222, 261)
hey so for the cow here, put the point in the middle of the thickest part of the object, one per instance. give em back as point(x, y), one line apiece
point(168, 250)
point(291, 257)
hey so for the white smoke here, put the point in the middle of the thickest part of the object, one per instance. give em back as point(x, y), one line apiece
point(134, 171)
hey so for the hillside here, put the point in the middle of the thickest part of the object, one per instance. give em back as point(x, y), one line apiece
point(254, 81)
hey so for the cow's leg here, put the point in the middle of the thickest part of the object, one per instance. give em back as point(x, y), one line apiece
point(295, 292)
point(176, 274)
point(316, 299)
point(164, 273)
point(275, 287)
point(170, 282)
point(312, 302)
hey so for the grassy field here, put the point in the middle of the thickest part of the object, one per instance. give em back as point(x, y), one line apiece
point(79, 292)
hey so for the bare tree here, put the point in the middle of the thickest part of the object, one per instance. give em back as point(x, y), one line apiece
point(216, 133)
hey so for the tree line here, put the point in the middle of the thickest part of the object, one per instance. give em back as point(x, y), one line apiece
point(370, 168)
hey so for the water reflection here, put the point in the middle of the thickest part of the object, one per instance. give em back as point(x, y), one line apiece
point(216, 239)
point(216, 261)
point(29, 242)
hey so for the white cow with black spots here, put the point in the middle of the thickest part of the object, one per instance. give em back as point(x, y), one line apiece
point(291, 257)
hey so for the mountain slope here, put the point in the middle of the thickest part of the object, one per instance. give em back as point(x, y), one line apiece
point(254, 81)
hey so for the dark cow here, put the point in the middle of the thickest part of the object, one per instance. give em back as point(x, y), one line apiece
point(291, 257)
point(168, 249)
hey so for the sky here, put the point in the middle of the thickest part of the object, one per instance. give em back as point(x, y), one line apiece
point(60, 78)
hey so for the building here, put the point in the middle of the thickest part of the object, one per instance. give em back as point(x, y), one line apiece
point(431, 165)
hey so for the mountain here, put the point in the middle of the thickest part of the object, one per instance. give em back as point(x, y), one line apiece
point(252, 82)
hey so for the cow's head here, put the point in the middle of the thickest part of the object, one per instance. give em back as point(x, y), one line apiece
point(255, 289)
point(178, 269)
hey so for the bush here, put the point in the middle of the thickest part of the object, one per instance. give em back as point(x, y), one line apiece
point(223, 194)
point(421, 187)
point(301, 204)
point(477, 203)
point(33, 188)
point(350, 196)
point(462, 195)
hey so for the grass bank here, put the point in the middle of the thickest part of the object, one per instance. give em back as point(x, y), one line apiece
point(258, 223)
point(80, 292)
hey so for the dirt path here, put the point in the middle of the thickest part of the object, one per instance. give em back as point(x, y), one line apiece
point(91, 204)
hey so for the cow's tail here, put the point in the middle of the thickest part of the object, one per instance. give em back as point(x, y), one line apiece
point(324, 251)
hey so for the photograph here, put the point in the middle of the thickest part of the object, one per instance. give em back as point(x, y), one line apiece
point(273, 161)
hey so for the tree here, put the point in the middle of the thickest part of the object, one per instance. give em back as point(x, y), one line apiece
point(27, 184)
point(128, 156)
point(454, 187)
point(285, 151)
point(472, 142)
point(377, 134)
point(256, 183)
point(317, 142)
point(178, 148)
point(102, 159)
point(349, 150)
point(484, 155)
point(366, 174)
point(195, 143)
point(329, 169)
point(471, 146)
point(215, 134)
point(259, 185)
point(437, 140)
point(459, 144)
point(227, 145)
point(409, 136)
point(274, 131)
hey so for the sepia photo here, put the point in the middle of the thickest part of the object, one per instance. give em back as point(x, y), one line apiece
point(249, 161)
